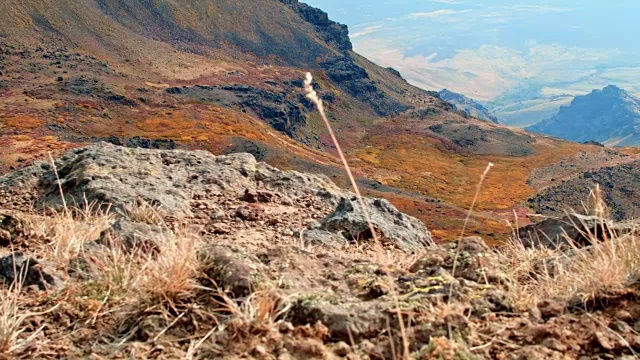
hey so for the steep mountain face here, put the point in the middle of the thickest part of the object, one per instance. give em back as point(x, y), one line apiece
point(468, 105)
point(610, 116)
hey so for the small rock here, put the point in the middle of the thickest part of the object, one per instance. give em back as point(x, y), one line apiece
point(342, 348)
point(624, 315)
point(221, 228)
point(620, 327)
point(554, 344)
point(251, 212)
point(260, 350)
point(535, 314)
point(285, 327)
point(217, 215)
point(550, 308)
point(18, 265)
point(285, 356)
point(228, 272)
point(256, 196)
point(10, 229)
point(399, 229)
point(605, 341)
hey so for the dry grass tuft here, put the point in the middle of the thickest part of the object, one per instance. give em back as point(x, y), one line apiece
point(67, 234)
point(145, 213)
point(170, 274)
point(265, 306)
point(585, 274)
point(13, 319)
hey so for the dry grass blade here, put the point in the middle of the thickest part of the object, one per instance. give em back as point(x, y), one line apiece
point(55, 172)
point(313, 96)
point(193, 347)
point(466, 221)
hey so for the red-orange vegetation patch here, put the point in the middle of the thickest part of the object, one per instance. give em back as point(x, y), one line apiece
point(22, 150)
point(422, 164)
point(205, 127)
point(22, 122)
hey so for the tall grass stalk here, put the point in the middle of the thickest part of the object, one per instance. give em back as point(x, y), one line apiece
point(313, 96)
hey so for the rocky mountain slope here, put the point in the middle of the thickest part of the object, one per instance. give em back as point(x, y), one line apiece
point(617, 183)
point(227, 77)
point(183, 254)
point(610, 116)
point(468, 105)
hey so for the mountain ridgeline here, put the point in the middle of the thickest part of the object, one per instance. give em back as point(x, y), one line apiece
point(610, 116)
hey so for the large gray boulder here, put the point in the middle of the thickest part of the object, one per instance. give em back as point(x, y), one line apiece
point(119, 177)
point(349, 223)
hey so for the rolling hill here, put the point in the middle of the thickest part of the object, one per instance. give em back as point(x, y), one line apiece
point(226, 76)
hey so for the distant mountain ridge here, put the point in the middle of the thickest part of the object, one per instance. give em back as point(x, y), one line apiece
point(610, 116)
point(468, 105)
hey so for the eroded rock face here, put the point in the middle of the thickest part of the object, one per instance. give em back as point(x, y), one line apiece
point(349, 221)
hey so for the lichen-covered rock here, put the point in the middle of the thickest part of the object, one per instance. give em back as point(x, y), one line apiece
point(117, 177)
point(349, 220)
point(345, 322)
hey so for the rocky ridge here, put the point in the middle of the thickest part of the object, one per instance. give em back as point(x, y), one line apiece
point(609, 116)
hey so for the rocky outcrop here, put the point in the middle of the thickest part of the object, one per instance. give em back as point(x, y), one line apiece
point(610, 116)
point(484, 140)
point(20, 270)
point(620, 187)
point(119, 177)
point(571, 231)
point(137, 142)
point(355, 80)
point(134, 236)
point(332, 32)
point(349, 224)
point(283, 110)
